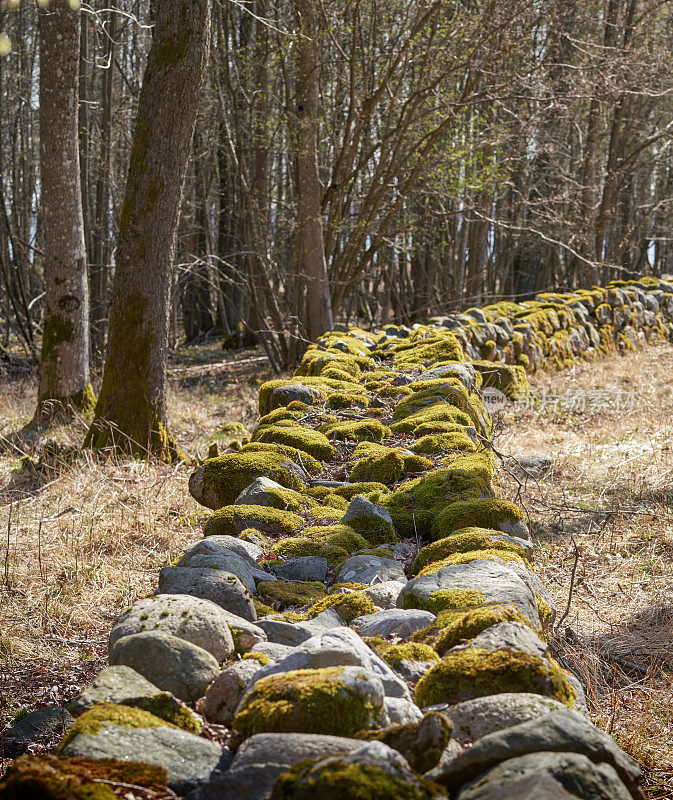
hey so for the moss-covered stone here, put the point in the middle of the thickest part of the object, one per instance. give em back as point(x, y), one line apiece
point(427, 418)
point(261, 658)
point(327, 496)
point(448, 391)
point(224, 478)
point(362, 487)
point(474, 672)
point(348, 605)
point(502, 556)
point(167, 707)
point(299, 546)
point(454, 627)
point(439, 443)
point(232, 520)
point(301, 437)
point(48, 777)
point(435, 350)
point(484, 512)
point(509, 379)
point(307, 701)
point(324, 514)
point(463, 541)
point(101, 714)
point(343, 780)
point(300, 457)
point(340, 400)
point(377, 463)
point(290, 593)
point(416, 504)
point(395, 654)
point(372, 430)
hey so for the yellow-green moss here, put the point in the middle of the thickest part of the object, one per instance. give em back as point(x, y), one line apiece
point(262, 610)
point(409, 651)
point(225, 477)
point(475, 672)
point(324, 514)
point(430, 416)
point(438, 349)
point(340, 780)
point(438, 443)
point(348, 605)
point(298, 547)
point(415, 505)
point(446, 600)
point(340, 400)
point(511, 380)
point(446, 391)
point(261, 658)
point(300, 457)
point(290, 593)
point(231, 520)
point(169, 708)
point(327, 496)
point(544, 612)
point(463, 541)
point(101, 714)
point(382, 464)
point(471, 555)
point(301, 437)
point(372, 430)
point(454, 627)
point(485, 512)
point(360, 487)
point(305, 701)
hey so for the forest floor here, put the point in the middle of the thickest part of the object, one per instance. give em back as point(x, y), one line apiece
point(82, 537)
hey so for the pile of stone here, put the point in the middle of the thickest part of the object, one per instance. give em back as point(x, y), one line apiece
point(361, 619)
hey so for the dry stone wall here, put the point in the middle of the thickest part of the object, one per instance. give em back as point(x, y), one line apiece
point(362, 618)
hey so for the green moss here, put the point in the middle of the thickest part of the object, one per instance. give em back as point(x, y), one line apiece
point(324, 514)
point(262, 610)
point(290, 593)
point(544, 612)
point(509, 379)
point(464, 541)
point(426, 419)
point(280, 414)
point(488, 349)
point(383, 464)
point(347, 605)
point(48, 777)
point(416, 504)
point(261, 658)
point(301, 437)
point(434, 350)
point(169, 708)
point(340, 400)
point(471, 555)
point(445, 391)
point(327, 496)
point(438, 443)
point(454, 627)
point(297, 547)
point(322, 385)
point(300, 457)
point(446, 600)
point(306, 701)
point(372, 430)
point(341, 780)
point(101, 714)
point(409, 651)
point(360, 487)
point(486, 512)
point(225, 477)
point(475, 672)
point(231, 520)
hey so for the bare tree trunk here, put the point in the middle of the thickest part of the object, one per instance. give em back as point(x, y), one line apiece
point(311, 247)
point(131, 410)
point(64, 370)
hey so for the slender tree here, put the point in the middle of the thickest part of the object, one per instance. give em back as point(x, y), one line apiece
point(64, 369)
point(131, 409)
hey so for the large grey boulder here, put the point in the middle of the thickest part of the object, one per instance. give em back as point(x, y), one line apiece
point(480, 716)
point(172, 664)
point(294, 633)
point(401, 711)
point(577, 774)
point(263, 757)
point(225, 692)
point(559, 732)
point(188, 759)
point(257, 493)
point(306, 568)
point(207, 553)
point(220, 587)
point(244, 547)
point(496, 582)
point(193, 619)
point(338, 647)
point(396, 621)
point(370, 569)
point(272, 649)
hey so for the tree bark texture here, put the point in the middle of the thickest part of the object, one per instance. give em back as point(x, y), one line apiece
point(64, 367)
point(131, 410)
point(311, 254)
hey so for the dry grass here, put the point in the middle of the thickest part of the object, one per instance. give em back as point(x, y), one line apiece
point(609, 502)
point(81, 540)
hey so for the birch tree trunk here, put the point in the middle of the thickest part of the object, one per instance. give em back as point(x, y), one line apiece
point(310, 241)
point(64, 368)
point(131, 409)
